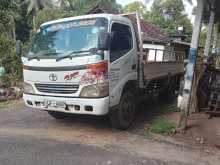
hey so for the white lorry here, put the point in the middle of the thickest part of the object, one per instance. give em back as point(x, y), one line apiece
point(95, 65)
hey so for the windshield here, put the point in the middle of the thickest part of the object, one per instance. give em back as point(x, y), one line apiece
point(57, 40)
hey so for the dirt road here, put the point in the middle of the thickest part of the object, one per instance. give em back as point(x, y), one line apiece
point(30, 136)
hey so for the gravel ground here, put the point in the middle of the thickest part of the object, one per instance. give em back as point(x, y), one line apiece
point(30, 136)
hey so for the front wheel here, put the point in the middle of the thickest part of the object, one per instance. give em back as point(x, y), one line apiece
point(57, 115)
point(123, 115)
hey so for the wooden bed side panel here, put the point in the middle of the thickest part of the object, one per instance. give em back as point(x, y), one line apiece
point(160, 69)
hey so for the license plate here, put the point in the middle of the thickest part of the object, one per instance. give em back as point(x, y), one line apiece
point(53, 103)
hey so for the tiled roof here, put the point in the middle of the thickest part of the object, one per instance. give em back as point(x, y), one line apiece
point(151, 33)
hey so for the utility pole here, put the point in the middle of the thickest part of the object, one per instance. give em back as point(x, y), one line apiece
point(191, 65)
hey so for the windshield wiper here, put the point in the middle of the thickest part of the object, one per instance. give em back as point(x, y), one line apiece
point(39, 55)
point(73, 54)
point(34, 57)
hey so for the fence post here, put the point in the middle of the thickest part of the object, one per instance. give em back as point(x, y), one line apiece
point(210, 30)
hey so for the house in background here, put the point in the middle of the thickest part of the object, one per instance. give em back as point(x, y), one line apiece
point(157, 44)
point(178, 41)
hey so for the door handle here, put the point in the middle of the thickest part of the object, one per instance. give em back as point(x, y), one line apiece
point(133, 67)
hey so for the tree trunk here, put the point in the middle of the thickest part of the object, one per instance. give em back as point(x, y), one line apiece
point(71, 5)
point(34, 23)
point(14, 33)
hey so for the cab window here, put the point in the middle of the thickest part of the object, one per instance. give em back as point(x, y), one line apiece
point(121, 41)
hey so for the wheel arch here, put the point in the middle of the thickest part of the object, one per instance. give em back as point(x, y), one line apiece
point(129, 85)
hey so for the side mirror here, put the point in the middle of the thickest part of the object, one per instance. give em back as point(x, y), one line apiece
point(104, 41)
point(18, 48)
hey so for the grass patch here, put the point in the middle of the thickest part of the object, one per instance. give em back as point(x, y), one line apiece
point(10, 105)
point(162, 125)
point(3, 105)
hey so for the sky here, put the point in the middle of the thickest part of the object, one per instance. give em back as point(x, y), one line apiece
point(188, 7)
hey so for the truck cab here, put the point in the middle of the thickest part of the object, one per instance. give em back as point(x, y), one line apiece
point(83, 65)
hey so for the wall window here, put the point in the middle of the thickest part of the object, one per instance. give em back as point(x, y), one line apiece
point(121, 41)
point(155, 55)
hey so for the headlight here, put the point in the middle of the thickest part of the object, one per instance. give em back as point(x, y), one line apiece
point(28, 88)
point(95, 91)
point(95, 81)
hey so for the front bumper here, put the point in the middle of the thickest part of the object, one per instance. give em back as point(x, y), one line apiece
point(99, 106)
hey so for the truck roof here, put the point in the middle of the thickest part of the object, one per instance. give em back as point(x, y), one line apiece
point(108, 16)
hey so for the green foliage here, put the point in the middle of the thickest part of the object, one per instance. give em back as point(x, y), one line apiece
point(9, 60)
point(48, 14)
point(203, 36)
point(110, 3)
point(162, 126)
point(171, 10)
point(184, 21)
point(6, 15)
point(23, 22)
point(135, 6)
point(81, 8)
point(70, 8)
point(169, 14)
point(35, 5)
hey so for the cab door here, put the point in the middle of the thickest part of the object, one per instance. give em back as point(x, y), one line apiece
point(123, 59)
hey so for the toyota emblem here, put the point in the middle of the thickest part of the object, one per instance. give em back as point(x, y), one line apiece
point(53, 77)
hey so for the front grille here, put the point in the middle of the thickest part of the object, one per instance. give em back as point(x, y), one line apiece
point(57, 88)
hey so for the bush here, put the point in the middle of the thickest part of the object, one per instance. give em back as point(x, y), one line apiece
point(162, 126)
point(9, 61)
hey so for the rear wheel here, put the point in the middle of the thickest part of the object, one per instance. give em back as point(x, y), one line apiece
point(57, 115)
point(123, 115)
point(168, 91)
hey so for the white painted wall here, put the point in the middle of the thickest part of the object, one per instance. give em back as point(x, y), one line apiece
point(153, 46)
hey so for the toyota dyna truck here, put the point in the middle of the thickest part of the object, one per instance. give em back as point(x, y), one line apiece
point(95, 65)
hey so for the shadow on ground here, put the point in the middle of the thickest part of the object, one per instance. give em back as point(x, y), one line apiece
point(146, 113)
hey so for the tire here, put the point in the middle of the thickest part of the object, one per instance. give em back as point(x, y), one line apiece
point(122, 116)
point(57, 115)
point(168, 92)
